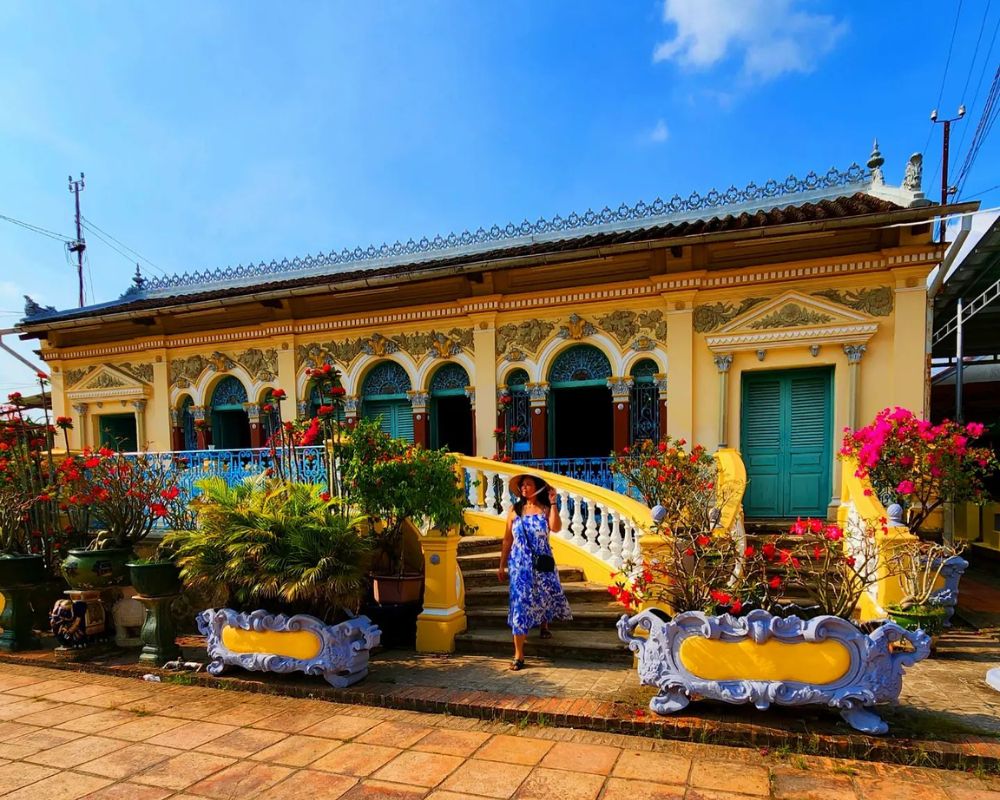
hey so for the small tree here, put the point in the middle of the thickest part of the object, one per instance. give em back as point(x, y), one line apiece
point(918, 464)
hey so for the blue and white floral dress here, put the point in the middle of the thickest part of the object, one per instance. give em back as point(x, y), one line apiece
point(535, 597)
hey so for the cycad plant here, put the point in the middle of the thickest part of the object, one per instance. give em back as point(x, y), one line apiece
point(273, 543)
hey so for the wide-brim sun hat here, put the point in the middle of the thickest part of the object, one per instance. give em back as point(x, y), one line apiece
point(514, 484)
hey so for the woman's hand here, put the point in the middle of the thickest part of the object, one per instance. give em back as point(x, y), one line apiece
point(552, 496)
point(502, 574)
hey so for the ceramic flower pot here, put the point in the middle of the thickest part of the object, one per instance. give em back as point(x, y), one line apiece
point(96, 569)
point(763, 659)
point(155, 579)
point(19, 576)
point(929, 619)
point(394, 589)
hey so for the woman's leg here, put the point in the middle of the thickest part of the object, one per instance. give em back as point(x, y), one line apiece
point(519, 646)
point(545, 632)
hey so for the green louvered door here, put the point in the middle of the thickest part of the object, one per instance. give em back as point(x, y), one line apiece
point(395, 416)
point(786, 442)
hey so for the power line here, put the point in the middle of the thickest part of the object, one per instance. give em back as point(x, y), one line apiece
point(979, 81)
point(982, 192)
point(91, 226)
point(37, 229)
point(991, 108)
point(947, 63)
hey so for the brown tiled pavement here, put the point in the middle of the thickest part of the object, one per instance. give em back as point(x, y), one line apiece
point(78, 736)
point(947, 715)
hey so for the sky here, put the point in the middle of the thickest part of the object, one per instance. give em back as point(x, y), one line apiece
point(220, 133)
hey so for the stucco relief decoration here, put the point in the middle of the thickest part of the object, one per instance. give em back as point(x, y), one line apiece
point(106, 381)
point(625, 326)
point(710, 316)
point(185, 371)
point(141, 372)
point(577, 328)
point(877, 301)
point(516, 340)
point(435, 343)
point(73, 376)
point(262, 364)
point(319, 353)
point(378, 346)
point(791, 316)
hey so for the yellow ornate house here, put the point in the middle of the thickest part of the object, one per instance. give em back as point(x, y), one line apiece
point(766, 318)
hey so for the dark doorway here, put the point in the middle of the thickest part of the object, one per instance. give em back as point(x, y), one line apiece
point(452, 423)
point(230, 430)
point(118, 432)
point(582, 423)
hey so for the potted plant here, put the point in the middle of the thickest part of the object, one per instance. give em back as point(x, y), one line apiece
point(125, 497)
point(722, 629)
point(397, 485)
point(920, 566)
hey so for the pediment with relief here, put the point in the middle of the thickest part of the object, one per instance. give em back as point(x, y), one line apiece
point(793, 319)
point(108, 381)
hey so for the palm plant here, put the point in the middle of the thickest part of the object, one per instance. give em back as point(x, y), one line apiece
point(273, 542)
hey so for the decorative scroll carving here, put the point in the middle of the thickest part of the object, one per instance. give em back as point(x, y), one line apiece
point(576, 327)
point(141, 372)
point(435, 343)
point(106, 381)
point(185, 371)
point(318, 353)
point(513, 340)
point(625, 325)
point(877, 301)
point(714, 315)
point(791, 316)
point(74, 376)
point(261, 364)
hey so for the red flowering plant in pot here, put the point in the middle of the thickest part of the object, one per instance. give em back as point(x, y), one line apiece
point(693, 565)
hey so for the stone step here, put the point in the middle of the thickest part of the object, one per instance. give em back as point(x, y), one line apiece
point(496, 594)
point(484, 560)
point(488, 577)
point(479, 544)
point(586, 616)
point(586, 645)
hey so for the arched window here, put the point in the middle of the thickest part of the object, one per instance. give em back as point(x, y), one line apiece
point(187, 424)
point(517, 420)
point(450, 378)
point(451, 410)
point(229, 395)
point(230, 423)
point(580, 365)
point(383, 397)
point(644, 401)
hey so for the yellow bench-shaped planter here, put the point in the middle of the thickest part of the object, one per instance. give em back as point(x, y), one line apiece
point(266, 642)
point(764, 659)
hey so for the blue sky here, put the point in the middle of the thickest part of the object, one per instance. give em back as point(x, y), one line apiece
point(222, 133)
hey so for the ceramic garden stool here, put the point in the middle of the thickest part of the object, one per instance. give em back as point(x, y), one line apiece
point(278, 643)
point(764, 659)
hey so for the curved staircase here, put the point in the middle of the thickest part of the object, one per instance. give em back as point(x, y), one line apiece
point(590, 636)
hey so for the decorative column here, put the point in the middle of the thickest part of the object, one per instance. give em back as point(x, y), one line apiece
point(159, 425)
point(302, 409)
point(854, 353)
point(83, 425)
point(661, 386)
point(470, 392)
point(201, 426)
point(176, 429)
point(351, 403)
point(680, 363)
point(723, 362)
point(538, 394)
point(421, 420)
point(620, 388)
point(256, 427)
point(484, 378)
point(140, 423)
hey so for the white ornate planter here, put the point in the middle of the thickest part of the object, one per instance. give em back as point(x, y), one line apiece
point(266, 642)
point(763, 659)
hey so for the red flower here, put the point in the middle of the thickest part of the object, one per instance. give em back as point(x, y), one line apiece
point(64, 422)
point(689, 552)
point(775, 582)
point(171, 493)
point(338, 391)
point(702, 540)
point(749, 551)
point(91, 462)
point(41, 376)
point(768, 550)
point(736, 607)
point(325, 411)
point(279, 394)
point(721, 598)
point(158, 509)
point(325, 497)
point(833, 533)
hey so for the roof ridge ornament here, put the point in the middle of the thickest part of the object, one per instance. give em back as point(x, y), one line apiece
point(875, 162)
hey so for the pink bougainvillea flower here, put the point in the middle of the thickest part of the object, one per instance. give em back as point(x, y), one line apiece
point(905, 487)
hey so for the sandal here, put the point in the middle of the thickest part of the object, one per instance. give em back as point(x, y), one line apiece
point(545, 634)
point(517, 665)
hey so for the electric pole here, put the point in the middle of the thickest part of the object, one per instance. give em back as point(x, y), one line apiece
point(79, 245)
point(945, 188)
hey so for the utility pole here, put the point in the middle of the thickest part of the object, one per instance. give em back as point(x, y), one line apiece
point(79, 245)
point(945, 188)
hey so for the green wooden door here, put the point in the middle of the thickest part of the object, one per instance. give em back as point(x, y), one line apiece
point(395, 416)
point(786, 438)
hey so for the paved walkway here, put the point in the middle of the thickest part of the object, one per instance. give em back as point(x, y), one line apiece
point(67, 735)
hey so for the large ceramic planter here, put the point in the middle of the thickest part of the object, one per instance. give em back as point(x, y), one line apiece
point(96, 569)
point(396, 590)
point(19, 577)
point(277, 643)
point(155, 579)
point(929, 619)
point(763, 659)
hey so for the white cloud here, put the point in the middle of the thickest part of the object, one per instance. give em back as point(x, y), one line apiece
point(660, 132)
point(772, 37)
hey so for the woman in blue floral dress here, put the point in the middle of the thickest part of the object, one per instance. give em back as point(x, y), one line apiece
point(536, 597)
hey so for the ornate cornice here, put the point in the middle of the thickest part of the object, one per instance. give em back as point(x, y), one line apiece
point(856, 333)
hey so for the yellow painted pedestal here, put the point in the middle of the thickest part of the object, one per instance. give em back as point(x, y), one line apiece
point(443, 617)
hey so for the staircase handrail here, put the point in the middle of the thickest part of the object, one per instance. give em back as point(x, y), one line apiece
point(732, 486)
